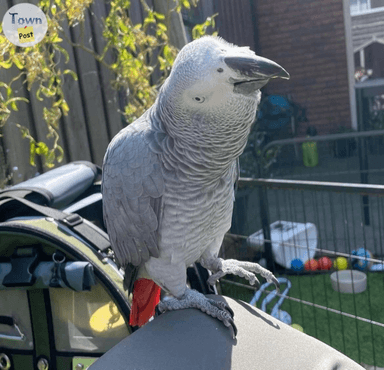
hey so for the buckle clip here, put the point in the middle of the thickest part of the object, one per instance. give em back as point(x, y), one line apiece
point(72, 220)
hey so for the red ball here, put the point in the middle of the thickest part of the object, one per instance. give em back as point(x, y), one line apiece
point(325, 263)
point(311, 265)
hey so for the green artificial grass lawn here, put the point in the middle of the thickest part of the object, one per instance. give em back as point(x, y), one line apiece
point(361, 341)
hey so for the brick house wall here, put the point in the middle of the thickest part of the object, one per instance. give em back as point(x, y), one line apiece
point(307, 37)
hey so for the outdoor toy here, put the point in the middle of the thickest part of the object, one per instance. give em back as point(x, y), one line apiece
point(297, 264)
point(281, 315)
point(361, 264)
point(298, 327)
point(325, 263)
point(377, 267)
point(349, 281)
point(311, 265)
point(340, 263)
point(310, 154)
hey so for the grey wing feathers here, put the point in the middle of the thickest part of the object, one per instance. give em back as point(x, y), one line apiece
point(237, 176)
point(132, 188)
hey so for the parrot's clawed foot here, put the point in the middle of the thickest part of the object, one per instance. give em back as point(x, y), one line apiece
point(194, 299)
point(245, 270)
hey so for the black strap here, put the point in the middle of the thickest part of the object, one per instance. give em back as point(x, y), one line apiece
point(42, 330)
point(89, 232)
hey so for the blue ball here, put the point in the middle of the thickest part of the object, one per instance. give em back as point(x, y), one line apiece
point(297, 264)
point(361, 264)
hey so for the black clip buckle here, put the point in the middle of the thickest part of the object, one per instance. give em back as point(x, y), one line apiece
point(24, 261)
point(72, 220)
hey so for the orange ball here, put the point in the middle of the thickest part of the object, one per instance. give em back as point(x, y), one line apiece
point(311, 265)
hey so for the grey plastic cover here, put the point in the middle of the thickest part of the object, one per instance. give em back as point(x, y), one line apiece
point(190, 339)
point(78, 275)
point(63, 184)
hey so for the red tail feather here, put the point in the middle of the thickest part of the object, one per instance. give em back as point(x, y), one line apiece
point(146, 296)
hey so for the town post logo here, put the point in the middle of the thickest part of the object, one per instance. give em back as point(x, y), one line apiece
point(25, 25)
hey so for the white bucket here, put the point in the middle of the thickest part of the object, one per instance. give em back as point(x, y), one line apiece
point(349, 281)
point(290, 240)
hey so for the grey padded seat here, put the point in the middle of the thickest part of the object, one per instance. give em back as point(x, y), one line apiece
point(190, 339)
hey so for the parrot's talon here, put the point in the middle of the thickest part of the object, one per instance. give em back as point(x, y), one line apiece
point(233, 328)
point(194, 299)
point(229, 310)
point(256, 283)
point(244, 269)
point(277, 284)
point(223, 306)
point(211, 282)
point(161, 307)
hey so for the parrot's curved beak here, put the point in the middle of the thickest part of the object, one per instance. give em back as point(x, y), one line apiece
point(253, 72)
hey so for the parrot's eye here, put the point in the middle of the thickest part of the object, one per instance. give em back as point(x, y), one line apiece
point(220, 70)
point(198, 99)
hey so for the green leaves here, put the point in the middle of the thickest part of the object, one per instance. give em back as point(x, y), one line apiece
point(140, 52)
point(6, 64)
point(19, 62)
point(201, 29)
point(159, 16)
point(41, 148)
point(169, 54)
point(38, 66)
point(70, 72)
point(123, 27)
point(9, 103)
point(62, 51)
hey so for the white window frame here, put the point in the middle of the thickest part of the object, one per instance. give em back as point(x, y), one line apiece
point(366, 11)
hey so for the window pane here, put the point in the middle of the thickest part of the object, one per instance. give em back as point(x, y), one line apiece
point(14, 305)
point(377, 4)
point(363, 5)
point(86, 321)
point(354, 6)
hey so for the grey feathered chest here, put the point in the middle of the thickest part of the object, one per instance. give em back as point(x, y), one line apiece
point(197, 203)
point(170, 198)
point(195, 215)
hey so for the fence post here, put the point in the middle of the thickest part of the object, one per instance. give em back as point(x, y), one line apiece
point(362, 149)
point(264, 216)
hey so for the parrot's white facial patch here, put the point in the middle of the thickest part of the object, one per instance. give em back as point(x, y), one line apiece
point(214, 86)
point(208, 93)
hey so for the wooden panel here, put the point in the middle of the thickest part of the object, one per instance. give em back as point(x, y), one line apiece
point(91, 94)
point(110, 96)
point(73, 125)
point(234, 22)
point(177, 35)
point(136, 12)
point(39, 125)
point(16, 149)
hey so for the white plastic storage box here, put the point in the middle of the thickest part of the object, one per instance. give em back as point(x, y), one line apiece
point(290, 240)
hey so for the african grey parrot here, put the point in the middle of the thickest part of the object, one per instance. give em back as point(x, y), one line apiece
point(168, 178)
